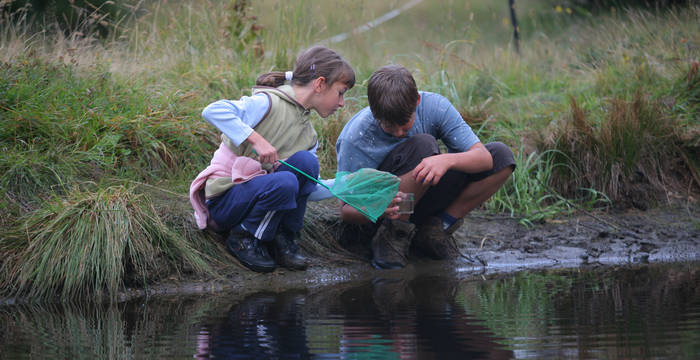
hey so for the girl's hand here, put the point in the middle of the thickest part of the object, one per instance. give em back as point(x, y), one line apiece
point(267, 154)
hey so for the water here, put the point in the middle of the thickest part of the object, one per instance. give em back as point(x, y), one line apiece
point(650, 311)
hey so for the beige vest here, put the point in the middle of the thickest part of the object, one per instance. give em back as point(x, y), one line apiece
point(286, 126)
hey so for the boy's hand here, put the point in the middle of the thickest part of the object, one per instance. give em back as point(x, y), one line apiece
point(431, 169)
point(392, 211)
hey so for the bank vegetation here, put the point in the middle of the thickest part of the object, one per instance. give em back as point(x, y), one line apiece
point(100, 132)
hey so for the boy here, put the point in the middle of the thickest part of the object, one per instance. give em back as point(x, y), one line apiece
point(398, 133)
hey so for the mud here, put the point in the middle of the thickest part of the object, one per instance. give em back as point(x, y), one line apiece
point(492, 244)
point(669, 234)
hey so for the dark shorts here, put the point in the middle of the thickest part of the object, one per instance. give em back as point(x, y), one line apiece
point(407, 155)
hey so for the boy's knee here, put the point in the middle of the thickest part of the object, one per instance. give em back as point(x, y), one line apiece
point(502, 155)
point(424, 145)
point(407, 155)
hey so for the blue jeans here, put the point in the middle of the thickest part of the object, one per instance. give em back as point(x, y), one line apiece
point(265, 202)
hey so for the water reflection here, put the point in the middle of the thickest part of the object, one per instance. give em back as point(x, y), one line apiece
point(263, 325)
point(612, 312)
point(383, 319)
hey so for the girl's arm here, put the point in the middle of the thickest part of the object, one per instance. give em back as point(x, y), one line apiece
point(237, 118)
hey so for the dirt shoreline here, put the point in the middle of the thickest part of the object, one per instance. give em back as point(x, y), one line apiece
point(668, 234)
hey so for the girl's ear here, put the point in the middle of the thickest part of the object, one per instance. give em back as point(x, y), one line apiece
point(319, 84)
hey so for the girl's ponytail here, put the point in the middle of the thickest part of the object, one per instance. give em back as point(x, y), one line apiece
point(313, 63)
point(273, 79)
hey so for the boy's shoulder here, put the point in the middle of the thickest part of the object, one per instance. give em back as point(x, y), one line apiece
point(359, 124)
point(430, 99)
point(361, 118)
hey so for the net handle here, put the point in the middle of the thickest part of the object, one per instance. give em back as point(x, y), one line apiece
point(325, 186)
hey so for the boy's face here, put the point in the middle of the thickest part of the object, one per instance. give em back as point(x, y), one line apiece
point(399, 131)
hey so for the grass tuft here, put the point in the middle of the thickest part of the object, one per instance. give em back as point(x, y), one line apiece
point(96, 242)
point(619, 155)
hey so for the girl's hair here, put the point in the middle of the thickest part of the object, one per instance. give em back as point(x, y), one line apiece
point(311, 64)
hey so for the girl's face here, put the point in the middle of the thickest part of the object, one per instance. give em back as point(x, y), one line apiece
point(330, 98)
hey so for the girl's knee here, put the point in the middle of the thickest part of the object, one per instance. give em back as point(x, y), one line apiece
point(305, 161)
point(286, 182)
point(502, 155)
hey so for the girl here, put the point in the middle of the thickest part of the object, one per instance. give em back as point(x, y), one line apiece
point(260, 203)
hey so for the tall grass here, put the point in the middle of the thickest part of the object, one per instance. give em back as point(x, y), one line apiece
point(528, 196)
point(631, 156)
point(61, 126)
point(94, 242)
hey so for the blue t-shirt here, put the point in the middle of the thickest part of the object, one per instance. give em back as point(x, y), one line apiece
point(364, 144)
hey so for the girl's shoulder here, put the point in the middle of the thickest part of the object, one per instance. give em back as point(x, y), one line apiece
point(284, 92)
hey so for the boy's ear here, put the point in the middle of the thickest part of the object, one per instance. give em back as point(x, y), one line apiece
point(418, 102)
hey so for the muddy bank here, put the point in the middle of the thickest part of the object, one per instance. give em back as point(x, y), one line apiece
point(497, 244)
point(667, 234)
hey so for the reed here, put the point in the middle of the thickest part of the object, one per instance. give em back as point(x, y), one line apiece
point(622, 155)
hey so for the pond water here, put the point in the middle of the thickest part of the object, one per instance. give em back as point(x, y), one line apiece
point(649, 311)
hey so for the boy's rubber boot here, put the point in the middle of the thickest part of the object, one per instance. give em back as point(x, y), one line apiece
point(391, 243)
point(286, 250)
point(434, 242)
point(249, 251)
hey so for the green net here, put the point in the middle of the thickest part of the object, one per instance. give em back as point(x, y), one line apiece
point(368, 190)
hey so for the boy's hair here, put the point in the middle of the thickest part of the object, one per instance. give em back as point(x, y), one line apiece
point(313, 63)
point(392, 95)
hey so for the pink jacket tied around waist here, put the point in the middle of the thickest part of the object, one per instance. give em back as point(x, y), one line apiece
point(224, 164)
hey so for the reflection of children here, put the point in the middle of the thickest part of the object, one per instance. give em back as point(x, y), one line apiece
point(260, 206)
point(398, 133)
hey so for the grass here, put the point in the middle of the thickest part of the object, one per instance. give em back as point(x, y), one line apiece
point(599, 109)
point(96, 242)
point(528, 191)
point(630, 156)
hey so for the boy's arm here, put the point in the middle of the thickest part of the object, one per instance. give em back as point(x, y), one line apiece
point(476, 159)
point(467, 153)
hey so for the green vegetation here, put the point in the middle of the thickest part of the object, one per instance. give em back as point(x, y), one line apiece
point(601, 109)
point(96, 241)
